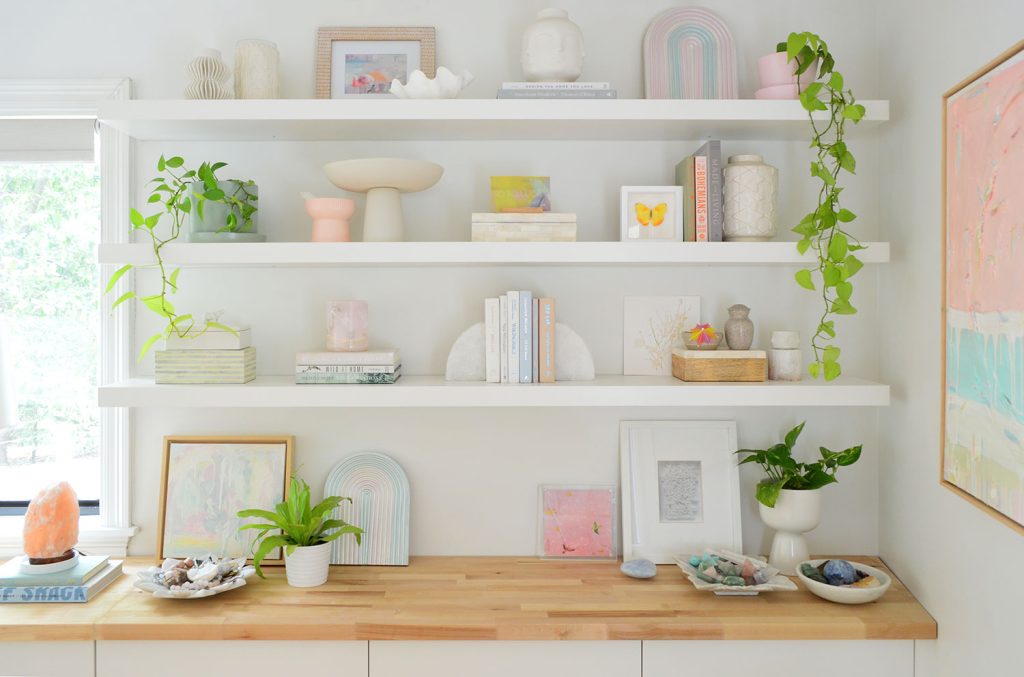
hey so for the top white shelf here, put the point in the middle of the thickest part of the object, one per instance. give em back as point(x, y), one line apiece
point(465, 119)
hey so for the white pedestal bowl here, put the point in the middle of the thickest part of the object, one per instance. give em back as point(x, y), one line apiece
point(383, 180)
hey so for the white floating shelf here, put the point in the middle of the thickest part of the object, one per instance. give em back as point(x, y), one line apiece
point(465, 119)
point(434, 391)
point(471, 253)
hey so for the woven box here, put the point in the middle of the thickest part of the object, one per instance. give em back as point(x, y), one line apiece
point(721, 366)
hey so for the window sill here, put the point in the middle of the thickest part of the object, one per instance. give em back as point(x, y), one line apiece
point(93, 537)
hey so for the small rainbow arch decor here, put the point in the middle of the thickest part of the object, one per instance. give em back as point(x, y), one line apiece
point(380, 505)
point(689, 54)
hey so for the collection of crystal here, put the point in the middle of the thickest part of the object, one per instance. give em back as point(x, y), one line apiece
point(717, 568)
point(189, 574)
point(839, 572)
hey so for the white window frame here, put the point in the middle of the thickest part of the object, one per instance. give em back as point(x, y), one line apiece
point(109, 532)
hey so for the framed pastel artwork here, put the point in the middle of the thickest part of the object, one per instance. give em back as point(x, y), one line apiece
point(651, 327)
point(521, 193)
point(206, 481)
point(680, 488)
point(577, 522)
point(983, 288)
point(652, 213)
point(362, 62)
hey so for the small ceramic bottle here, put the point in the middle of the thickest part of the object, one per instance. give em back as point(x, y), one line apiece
point(785, 361)
point(207, 75)
point(750, 189)
point(552, 48)
point(739, 329)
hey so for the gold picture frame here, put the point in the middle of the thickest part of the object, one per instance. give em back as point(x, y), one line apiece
point(196, 467)
point(326, 38)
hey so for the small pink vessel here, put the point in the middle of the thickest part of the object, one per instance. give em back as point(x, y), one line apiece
point(330, 218)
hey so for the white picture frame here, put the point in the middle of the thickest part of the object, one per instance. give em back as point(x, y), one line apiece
point(680, 488)
point(661, 205)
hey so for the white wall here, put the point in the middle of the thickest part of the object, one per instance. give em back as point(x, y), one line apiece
point(929, 535)
point(474, 483)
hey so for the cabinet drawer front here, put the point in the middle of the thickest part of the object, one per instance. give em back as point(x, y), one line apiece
point(47, 659)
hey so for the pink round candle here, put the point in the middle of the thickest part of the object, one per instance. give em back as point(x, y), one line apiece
point(346, 326)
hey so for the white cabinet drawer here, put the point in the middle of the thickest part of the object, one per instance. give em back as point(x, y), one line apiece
point(47, 659)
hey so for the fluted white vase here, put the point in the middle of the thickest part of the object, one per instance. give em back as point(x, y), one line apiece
point(750, 192)
point(207, 76)
point(308, 566)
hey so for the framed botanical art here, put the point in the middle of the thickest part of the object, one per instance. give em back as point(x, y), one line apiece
point(362, 62)
point(651, 327)
point(983, 288)
point(652, 213)
point(576, 522)
point(206, 481)
point(680, 488)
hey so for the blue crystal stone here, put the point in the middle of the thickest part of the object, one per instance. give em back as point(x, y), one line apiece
point(639, 568)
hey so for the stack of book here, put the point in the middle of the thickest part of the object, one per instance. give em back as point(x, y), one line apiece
point(215, 356)
point(700, 175)
point(523, 227)
point(368, 366)
point(519, 338)
point(79, 584)
point(557, 90)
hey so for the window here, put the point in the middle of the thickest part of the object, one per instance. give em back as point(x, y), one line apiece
point(50, 318)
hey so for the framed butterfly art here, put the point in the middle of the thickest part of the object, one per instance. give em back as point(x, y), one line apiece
point(652, 213)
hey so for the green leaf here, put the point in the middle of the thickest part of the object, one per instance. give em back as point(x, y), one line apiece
point(803, 278)
point(117, 275)
point(155, 197)
point(136, 218)
point(793, 434)
point(849, 456)
point(836, 81)
point(217, 165)
point(830, 275)
point(832, 371)
point(813, 368)
point(837, 247)
point(199, 206)
point(854, 112)
point(161, 164)
point(159, 305)
point(121, 299)
point(149, 344)
point(845, 215)
point(827, 329)
point(173, 279)
point(844, 290)
point(185, 206)
point(214, 194)
point(768, 492)
point(803, 245)
point(265, 547)
point(817, 478)
point(264, 514)
point(222, 327)
point(151, 221)
point(851, 266)
point(848, 162)
point(794, 43)
point(831, 354)
point(175, 162)
point(841, 306)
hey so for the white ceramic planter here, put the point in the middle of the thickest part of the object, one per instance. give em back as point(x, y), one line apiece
point(307, 567)
point(794, 513)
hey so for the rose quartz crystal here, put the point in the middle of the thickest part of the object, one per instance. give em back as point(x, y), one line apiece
point(51, 522)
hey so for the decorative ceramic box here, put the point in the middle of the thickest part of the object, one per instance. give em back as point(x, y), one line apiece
point(719, 365)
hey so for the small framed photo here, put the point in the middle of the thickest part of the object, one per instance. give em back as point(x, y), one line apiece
point(362, 62)
point(680, 488)
point(652, 213)
point(576, 522)
point(206, 481)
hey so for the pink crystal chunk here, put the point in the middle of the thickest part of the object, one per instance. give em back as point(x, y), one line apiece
point(346, 326)
point(51, 522)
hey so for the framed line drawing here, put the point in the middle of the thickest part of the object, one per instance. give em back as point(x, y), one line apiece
point(362, 62)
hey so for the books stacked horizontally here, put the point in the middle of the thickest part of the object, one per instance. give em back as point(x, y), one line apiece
point(336, 368)
point(215, 356)
point(557, 90)
point(79, 584)
point(519, 338)
point(700, 175)
point(523, 227)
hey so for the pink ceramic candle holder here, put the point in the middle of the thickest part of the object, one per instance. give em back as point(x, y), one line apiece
point(330, 218)
point(346, 326)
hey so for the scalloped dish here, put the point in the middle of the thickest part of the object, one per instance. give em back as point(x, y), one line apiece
point(776, 582)
point(188, 579)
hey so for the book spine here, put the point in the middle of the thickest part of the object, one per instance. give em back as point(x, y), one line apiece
point(347, 379)
point(535, 343)
point(684, 177)
point(700, 193)
point(372, 358)
point(491, 347)
point(346, 369)
point(513, 337)
point(556, 85)
point(546, 338)
point(44, 593)
point(558, 94)
point(503, 337)
point(525, 337)
point(715, 203)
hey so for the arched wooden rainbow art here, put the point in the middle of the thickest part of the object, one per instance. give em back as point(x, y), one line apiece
point(379, 491)
point(689, 54)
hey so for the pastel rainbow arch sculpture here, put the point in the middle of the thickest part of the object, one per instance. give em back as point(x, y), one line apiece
point(689, 53)
point(379, 490)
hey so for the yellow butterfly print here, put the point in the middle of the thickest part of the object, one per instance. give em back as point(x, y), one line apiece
point(651, 217)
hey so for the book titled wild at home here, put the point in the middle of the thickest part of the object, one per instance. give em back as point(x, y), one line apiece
point(314, 377)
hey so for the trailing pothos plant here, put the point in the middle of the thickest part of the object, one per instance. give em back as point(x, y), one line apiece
point(172, 190)
point(823, 229)
point(785, 472)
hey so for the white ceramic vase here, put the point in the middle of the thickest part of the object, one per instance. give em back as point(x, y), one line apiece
point(552, 48)
point(207, 76)
point(750, 192)
point(795, 513)
point(307, 567)
point(256, 70)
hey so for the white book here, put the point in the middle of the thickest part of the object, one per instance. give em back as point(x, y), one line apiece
point(503, 337)
point(556, 85)
point(525, 337)
point(492, 349)
point(523, 217)
point(513, 337)
point(536, 339)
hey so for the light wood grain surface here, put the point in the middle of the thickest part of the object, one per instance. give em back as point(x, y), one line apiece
point(439, 598)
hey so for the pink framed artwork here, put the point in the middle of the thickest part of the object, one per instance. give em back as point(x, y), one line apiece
point(577, 522)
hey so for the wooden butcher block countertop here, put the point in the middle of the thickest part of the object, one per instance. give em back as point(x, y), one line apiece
point(486, 598)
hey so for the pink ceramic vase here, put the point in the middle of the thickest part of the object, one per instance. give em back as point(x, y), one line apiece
point(775, 71)
point(330, 218)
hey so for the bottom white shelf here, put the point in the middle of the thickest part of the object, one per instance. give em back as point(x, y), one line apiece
point(434, 391)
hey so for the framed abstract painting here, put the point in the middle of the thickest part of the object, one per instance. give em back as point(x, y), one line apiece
point(577, 522)
point(983, 288)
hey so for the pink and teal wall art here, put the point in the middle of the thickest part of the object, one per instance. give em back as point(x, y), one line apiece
point(577, 522)
point(983, 144)
point(689, 54)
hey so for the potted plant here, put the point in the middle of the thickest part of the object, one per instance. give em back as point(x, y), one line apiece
point(304, 532)
point(223, 210)
point(790, 498)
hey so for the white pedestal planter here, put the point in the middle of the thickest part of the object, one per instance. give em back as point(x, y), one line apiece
point(794, 513)
point(307, 567)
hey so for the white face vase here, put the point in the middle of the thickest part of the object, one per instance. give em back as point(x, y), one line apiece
point(552, 48)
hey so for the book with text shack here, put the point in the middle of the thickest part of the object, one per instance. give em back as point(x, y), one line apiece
point(347, 368)
point(503, 337)
point(712, 150)
point(314, 377)
point(546, 340)
point(513, 337)
point(684, 178)
point(50, 594)
point(366, 357)
point(525, 337)
point(492, 349)
point(87, 567)
point(700, 198)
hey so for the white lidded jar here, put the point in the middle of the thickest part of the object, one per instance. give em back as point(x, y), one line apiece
point(750, 192)
point(552, 48)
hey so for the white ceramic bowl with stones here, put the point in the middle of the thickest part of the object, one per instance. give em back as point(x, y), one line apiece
point(846, 595)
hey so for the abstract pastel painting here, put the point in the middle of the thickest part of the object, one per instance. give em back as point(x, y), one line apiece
point(206, 481)
point(651, 327)
point(983, 290)
point(577, 522)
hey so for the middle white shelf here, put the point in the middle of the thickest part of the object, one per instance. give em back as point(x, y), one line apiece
point(297, 254)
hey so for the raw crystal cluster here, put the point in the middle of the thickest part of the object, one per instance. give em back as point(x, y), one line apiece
point(51, 524)
point(713, 568)
point(840, 573)
point(188, 574)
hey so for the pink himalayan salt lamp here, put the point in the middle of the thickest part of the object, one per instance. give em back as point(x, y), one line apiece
point(51, 524)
